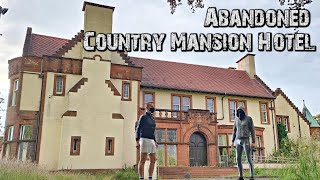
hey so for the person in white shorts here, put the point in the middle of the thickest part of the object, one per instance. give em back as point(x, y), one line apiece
point(146, 140)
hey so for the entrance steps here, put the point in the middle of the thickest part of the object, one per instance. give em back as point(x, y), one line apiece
point(196, 172)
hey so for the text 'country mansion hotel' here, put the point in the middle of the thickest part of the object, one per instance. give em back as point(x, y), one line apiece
point(72, 109)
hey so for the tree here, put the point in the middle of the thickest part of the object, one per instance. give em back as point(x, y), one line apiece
point(192, 3)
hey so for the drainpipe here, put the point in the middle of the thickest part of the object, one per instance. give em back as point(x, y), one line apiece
point(225, 94)
point(39, 112)
point(273, 127)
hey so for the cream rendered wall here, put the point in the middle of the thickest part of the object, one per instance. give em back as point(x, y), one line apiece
point(129, 112)
point(75, 52)
point(54, 108)
point(117, 59)
point(163, 101)
point(285, 109)
point(30, 92)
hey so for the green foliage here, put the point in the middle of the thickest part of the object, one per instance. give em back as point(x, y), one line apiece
point(172, 160)
point(126, 174)
point(282, 136)
point(160, 157)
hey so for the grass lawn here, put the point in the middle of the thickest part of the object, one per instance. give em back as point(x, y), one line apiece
point(27, 171)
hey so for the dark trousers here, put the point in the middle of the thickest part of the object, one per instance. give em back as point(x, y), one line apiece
point(243, 144)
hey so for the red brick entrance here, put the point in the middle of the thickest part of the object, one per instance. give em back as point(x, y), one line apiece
point(185, 124)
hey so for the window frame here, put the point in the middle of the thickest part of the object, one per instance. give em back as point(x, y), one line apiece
point(123, 98)
point(56, 77)
point(166, 143)
point(112, 139)
point(267, 112)
point(237, 105)
point(15, 92)
point(78, 150)
point(153, 98)
point(11, 133)
point(22, 129)
point(214, 104)
point(282, 117)
point(181, 100)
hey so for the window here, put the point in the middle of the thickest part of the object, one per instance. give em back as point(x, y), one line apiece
point(160, 135)
point(233, 105)
point(264, 114)
point(24, 148)
point(285, 121)
point(148, 97)
point(258, 153)
point(25, 132)
point(109, 146)
point(126, 90)
point(59, 85)
point(75, 145)
point(223, 148)
point(211, 103)
point(10, 133)
point(167, 147)
point(7, 155)
point(15, 92)
point(180, 103)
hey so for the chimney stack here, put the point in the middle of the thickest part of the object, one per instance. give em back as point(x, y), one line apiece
point(247, 63)
point(97, 18)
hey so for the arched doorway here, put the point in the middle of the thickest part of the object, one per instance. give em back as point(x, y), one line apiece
point(198, 150)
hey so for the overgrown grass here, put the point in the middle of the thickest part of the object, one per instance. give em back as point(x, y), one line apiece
point(12, 170)
point(306, 166)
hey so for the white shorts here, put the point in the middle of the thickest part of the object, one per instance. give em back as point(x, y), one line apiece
point(147, 146)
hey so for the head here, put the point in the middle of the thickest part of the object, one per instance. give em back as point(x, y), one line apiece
point(150, 108)
point(241, 113)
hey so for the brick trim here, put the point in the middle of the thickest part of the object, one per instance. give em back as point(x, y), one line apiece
point(268, 113)
point(71, 43)
point(78, 85)
point(117, 116)
point(130, 91)
point(64, 77)
point(107, 146)
point(113, 88)
point(77, 153)
point(70, 113)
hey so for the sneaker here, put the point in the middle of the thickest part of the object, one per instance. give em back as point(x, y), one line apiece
point(240, 178)
point(251, 178)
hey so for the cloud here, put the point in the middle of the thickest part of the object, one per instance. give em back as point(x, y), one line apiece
point(297, 74)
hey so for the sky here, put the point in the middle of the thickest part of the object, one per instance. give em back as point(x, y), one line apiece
point(296, 73)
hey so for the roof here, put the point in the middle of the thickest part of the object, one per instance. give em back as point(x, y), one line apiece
point(190, 77)
point(309, 117)
point(39, 45)
point(164, 74)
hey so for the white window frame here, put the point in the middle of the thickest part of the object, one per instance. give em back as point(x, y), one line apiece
point(264, 113)
point(59, 85)
point(10, 133)
point(15, 92)
point(126, 87)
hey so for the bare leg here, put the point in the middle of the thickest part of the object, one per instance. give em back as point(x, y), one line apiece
point(143, 157)
point(239, 150)
point(152, 157)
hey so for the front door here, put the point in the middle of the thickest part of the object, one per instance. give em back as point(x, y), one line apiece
point(198, 150)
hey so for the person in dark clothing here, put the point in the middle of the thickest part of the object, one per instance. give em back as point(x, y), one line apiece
point(146, 140)
point(242, 129)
